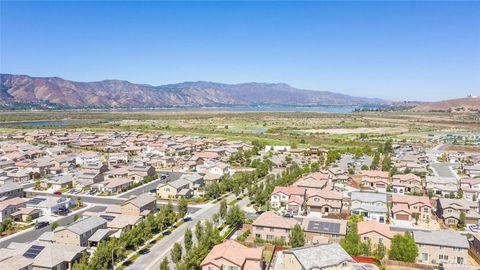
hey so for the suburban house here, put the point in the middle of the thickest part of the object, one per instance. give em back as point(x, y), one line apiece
point(406, 183)
point(326, 256)
point(59, 182)
point(472, 171)
point(281, 195)
point(449, 210)
point(442, 186)
point(80, 231)
point(375, 232)
point(269, 226)
point(84, 179)
point(324, 201)
point(140, 172)
point(445, 246)
point(10, 206)
point(375, 180)
point(174, 189)
point(50, 204)
point(40, 255)
point(115, 185)
point(323, 230)
point(470, 188)
point(139, 206)
point(370, 205)
point(315, 180)
point(407, 207)
point(11, 190)
point(233, 255)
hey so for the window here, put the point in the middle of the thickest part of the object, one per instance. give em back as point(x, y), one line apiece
point(232, 267)
point(269, 237)
point(424, 256)
point(272, 229)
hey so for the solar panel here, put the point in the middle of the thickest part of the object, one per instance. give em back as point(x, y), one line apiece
point(36, 201)
point(33, 251)
point(107, 218)
point(320, 226)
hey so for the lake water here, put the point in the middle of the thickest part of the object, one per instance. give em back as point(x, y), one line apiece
point(48, 123)
point(263, 108)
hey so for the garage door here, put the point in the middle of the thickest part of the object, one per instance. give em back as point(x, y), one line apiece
point(316, 209)
point(402, 217)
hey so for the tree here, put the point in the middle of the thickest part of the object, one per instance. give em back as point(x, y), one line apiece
point(366, 247)
point(37, 185)
point(461, 219)
point(460, 194)
point(76, 217)
point(403, 248)
point(223, 209)
point(198, 231)
point(351, 241)
point(54, 225)
point(297, 237)
point(213, 190)
point(79, 202)
point(187, 240)
point(164, 264)
point(380, 251)
point(235, 216)
point(176, 253)
point(182, 207)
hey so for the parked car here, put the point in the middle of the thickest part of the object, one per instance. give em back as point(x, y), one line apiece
point(41, 224)
point(288, 214)
point(187, 217)
point(92, 191)
point(57, 193)
point(474, 228)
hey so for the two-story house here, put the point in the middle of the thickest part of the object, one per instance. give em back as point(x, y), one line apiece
point(369, 205)
point(78, 232)
point(445, 246)
point(412, 208)
point(442, 186)
point(406, 183)
point(449, 210)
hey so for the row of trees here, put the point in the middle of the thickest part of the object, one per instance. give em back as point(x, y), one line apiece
point(129, 240)
point(207, 236)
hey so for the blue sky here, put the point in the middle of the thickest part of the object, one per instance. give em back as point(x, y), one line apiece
point(393, 50)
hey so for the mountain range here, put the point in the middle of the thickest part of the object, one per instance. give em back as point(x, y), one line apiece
point(452, 105)
point(25, 89)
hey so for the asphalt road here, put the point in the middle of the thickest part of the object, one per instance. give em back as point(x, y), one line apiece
point(32, 234)
point(444, 169)
point(162, 248)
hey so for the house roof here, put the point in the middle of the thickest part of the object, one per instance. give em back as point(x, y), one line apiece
point(117, 182)
point(369, 197)
point(437, 238)
point(234, 252)
point(9, 202)
point(325, 225)
point(141, 200)
point(410, 200)
point(320, 256)
point(369, 173)
point(374, 226)
point(270, 219)
point(289, 190)
point(84, 225)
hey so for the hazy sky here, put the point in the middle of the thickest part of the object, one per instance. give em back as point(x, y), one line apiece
point(393, 50)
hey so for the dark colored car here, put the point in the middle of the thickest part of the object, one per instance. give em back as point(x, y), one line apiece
point(41, 224)
point(57, 193)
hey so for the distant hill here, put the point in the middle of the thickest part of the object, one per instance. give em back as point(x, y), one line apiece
point(460, 104)
point(123, 94)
